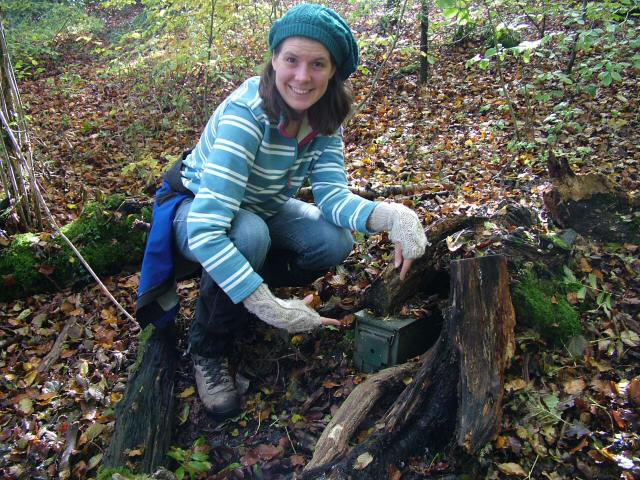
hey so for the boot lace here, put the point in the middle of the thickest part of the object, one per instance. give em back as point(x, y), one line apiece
point(215, 370)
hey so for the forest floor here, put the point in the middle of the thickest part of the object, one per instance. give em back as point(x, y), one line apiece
point(569, 411)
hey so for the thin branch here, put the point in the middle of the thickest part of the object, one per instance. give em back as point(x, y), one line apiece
point(574, 47)
point(103, 287)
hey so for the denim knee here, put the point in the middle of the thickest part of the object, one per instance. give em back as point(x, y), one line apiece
point(250, 234)
point(338, 247)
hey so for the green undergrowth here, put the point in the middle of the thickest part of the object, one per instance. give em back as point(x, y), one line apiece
point(542, 305)
point(35, 263)
point(34, 29)
point(121, 472)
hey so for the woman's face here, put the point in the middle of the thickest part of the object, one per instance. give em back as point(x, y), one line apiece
point(303, 69)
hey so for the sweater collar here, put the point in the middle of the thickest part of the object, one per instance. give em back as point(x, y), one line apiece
point(305, 134)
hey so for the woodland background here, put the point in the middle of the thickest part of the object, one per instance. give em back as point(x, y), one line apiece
point(460, 103)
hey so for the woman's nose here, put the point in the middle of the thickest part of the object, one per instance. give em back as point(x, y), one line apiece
point(302, 72)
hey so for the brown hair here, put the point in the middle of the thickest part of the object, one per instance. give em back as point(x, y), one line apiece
point(326, 115)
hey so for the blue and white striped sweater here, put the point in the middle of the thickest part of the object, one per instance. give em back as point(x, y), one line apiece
point(244, 161)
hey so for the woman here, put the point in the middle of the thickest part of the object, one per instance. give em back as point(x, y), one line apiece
point(240, 222)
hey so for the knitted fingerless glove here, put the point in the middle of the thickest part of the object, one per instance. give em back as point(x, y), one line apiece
point(294, 316)
point(403, 225)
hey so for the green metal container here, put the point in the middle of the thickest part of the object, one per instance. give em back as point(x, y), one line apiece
point(381, 343)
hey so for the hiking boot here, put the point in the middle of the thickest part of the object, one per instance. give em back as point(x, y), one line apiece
point(215, 386)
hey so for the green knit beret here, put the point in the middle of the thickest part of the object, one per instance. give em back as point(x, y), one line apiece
point(323, 25)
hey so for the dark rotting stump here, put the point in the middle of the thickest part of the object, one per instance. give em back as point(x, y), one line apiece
point(145, 417)
point(453, 405)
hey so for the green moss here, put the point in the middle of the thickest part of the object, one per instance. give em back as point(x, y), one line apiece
point(145, 335)
point(507, 37)
point(533, 299)
point(18, 265)
point(107, 474)
point(104, 237)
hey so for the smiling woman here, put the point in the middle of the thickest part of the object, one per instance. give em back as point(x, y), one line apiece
point(228, 204)
point(303, 69)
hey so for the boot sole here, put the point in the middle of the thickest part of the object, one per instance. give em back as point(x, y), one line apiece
point(224, 415)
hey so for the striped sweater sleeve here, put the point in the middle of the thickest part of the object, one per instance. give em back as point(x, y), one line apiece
point(331, 193)
point(227, 155)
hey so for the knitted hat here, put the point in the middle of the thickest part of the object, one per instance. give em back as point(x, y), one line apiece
point(323, 25)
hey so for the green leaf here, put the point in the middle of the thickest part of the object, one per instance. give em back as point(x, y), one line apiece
point(582, 293)
point(180, 473)
point(605, 78)
point(551, 402)
point(568, 273)
point(450, 12)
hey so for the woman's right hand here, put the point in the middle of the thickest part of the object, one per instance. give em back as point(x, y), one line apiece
point(294, 316)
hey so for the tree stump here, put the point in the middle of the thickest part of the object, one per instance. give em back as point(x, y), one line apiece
point(145, 416)
point(590, 204)
point(454, 402)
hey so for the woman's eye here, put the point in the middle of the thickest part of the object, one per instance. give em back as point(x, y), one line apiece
point(290, 60)
point(318, 64)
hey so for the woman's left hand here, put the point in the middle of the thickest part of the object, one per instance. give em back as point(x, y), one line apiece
point(405, 231)
point(400, 260)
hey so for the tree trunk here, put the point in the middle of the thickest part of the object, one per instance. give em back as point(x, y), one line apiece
point(424, 42)
point(145, 416)
point(454, 402)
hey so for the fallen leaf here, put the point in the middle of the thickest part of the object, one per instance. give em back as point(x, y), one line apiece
point(91, 433)
point(515, 385)
point(297, 460)
point(630, 338)
point(25, 406)
point(363, 461)
point(574, 386)
point(634, 391)
point(94, 461)
point(511, 468)
point(618, 419)
point(187, 392)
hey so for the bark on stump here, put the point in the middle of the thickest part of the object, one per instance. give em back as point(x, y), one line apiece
point(145, 416)
point(454, 401)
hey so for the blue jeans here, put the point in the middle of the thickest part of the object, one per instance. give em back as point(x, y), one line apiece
point(292, 248)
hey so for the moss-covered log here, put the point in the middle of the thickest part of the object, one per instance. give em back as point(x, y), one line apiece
point(104, 235)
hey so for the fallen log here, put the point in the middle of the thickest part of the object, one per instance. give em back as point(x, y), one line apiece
point(454, 402)
point(425, 191)
point(104, 235)
point(145, 417)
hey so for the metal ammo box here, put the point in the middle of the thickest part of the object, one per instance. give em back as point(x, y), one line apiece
point(383, 343)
